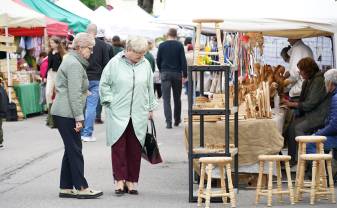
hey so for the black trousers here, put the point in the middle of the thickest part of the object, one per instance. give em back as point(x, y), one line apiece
point(298, 127)
point(171, 80)
point(72, 170)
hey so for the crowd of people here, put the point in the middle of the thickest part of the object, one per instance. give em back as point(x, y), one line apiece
point(127, 79)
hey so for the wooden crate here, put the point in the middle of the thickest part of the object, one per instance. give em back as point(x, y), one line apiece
point(4, 39)
point(13, 65)
point(10, 49)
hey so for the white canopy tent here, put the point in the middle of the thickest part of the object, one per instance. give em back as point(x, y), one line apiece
point(127, 19)
point(13, 15)
point(75, 7)
point(282, 18)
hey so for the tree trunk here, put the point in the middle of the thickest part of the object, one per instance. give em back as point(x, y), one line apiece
point(147, 5)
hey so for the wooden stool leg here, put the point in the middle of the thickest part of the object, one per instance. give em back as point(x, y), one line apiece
point(270, 183)
point(230, 185)
point(313, 182)
point(300, 179)
point(209, 185)
point(259, 182)
point(331, 182)
point(290, 184)
point(201, 184)
point(279, 180)
point(319, 179)
point(222, 182)
point(323, 183)
point(299, 152)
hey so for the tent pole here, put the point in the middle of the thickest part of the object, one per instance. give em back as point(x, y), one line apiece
point(45, 37)
point(10, 83)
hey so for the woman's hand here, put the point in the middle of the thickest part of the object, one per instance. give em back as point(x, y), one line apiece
point(150, 115)
point(79, 126)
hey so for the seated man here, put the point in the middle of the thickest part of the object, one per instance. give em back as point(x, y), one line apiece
point(330, 128)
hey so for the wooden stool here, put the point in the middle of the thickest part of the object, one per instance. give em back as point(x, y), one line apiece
point(269, 193)
point(315, 189)
point(221, 162)
point(302, 149)
point(197, 52)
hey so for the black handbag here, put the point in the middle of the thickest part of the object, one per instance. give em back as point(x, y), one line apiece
point(150, 151)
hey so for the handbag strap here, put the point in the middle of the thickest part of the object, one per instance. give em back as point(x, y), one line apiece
point(153, 128)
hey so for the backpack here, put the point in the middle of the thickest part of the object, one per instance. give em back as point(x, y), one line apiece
point(3, 102)
point(12, 114)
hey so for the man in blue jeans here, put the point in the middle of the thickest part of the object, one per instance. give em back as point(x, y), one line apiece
point(97, 61)
point(330, 128)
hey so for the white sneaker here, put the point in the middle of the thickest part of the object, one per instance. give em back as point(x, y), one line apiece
point(88, 139)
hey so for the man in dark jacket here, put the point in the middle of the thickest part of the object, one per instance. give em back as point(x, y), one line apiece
point(330, 128)
point(171, 62)
point(97, 61)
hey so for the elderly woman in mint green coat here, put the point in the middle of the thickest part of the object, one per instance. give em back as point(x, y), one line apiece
point(126, 92)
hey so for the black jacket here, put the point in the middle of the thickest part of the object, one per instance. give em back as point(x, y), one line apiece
point(97, 61)
point(171, 57)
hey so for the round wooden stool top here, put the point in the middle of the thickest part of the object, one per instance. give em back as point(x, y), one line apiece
point(215, 160)
point(308, 139)
point(274, 157)
point(208, 20)
point(316, 157)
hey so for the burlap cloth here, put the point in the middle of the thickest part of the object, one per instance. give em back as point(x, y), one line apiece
point(256, 137)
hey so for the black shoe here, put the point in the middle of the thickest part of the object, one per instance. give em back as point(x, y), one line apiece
point(119, 192)
point(176, 123)
point(133, 192)
point(99, 121)
point(169, 126)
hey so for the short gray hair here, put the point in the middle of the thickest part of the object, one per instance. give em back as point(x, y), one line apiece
point(83, 40)
point(331, 75)
point(137, 44)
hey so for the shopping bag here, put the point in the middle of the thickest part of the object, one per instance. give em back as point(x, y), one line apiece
point(150, 151)
point(42, 93)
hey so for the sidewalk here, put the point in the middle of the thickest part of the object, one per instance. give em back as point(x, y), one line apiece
point(30, 168)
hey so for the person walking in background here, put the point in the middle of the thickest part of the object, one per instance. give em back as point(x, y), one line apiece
point(67, 110)
point(101, 35)
point(97, 61)
point(3, 110)
point(126, 91)
point(171, 62)
point(117, 44)
point(148, 55)
point(55, 57)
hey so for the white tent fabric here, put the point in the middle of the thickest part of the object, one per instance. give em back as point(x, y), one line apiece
point(14, 15)
point(283, 18)
point(120, 22)
point(75, 7)
point(260, 15)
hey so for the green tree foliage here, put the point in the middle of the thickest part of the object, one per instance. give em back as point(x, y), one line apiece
point(94, 4)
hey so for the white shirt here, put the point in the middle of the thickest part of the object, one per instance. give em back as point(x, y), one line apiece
point(298, 51)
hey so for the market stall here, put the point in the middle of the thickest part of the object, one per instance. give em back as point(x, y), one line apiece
point(13, 15)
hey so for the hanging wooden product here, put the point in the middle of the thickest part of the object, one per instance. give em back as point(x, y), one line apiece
point(268, 101)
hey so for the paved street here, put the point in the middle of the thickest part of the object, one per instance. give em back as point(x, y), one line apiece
point(30, 166)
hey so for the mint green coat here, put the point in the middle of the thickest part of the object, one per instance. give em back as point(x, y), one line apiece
point(126, 91)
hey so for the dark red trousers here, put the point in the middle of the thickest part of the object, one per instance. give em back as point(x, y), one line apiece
point(126, 156)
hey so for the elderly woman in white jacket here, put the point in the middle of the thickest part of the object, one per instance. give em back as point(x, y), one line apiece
point(126, 92)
